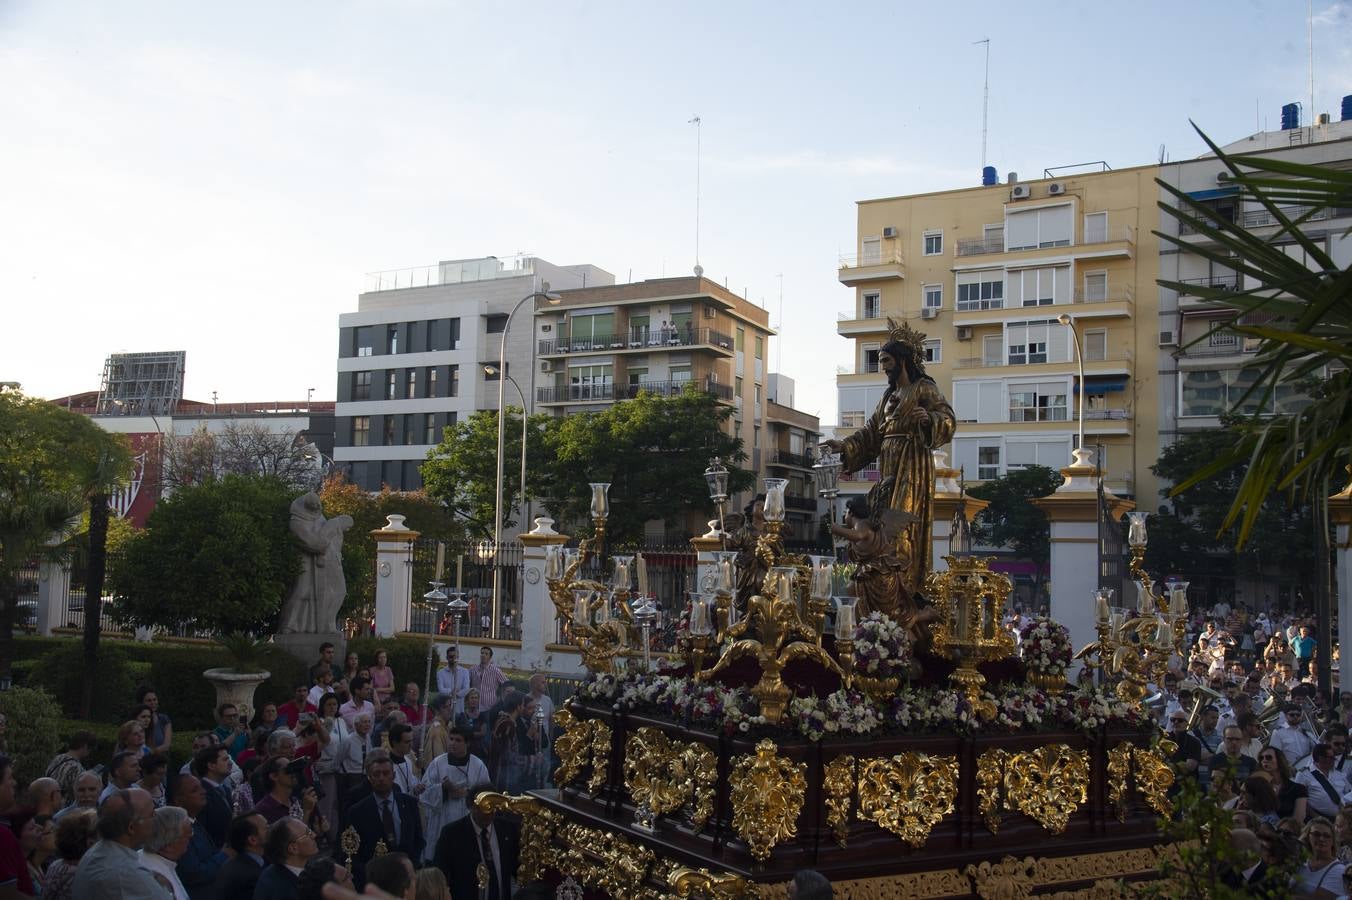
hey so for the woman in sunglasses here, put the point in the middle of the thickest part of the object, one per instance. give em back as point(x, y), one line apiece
point(1292, 797)
point(1321, 875)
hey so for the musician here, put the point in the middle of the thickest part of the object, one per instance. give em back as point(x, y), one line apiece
point(1187, 759)
point(1206, 731)
point(1295, 738)
point(1239, 704)
point(1232, 759)
point(1214, 638)
point(1336, 736)
point(1324, 785)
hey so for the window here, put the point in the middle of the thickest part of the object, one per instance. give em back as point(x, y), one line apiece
point(680, 373)
point(760, 347)
point(870, 357)
point(852, 419)
point(431, 381)
point(637, 375)
point(1037, 402)
point(497, 324)
point(758, 399)
point(872, 306)
point(595, 331)
point(410, 430)
point(738, 386)
point(993, 350)
point(490, 373)
point(934, 243)
point(361, 385)
point(934, 296)
point(454, 386)
point(870, 251)
point(1096, 345)
point(394, 339)
point(979, 401)
point(1095, 228)
point(1222, 339)
point(1034, 228)
point(411, 391)
point(638, 330)
point(430, 428)
point(796, 443)
point(392, 386)
point(984, 290)
point(361, 431)
point(931, 352)
point(1049, 452)
point(740, 341)
point(988, 463)
point(1039, 287)
point(1036, 342)
point(1095, 287)
point(591, 382)
point(389, 431)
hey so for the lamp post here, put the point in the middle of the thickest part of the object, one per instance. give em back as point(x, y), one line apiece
point(552, 299)
point(494, 370)
point(1067, 321)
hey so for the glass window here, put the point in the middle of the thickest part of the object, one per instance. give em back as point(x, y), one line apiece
point(431, 381)
point(1096, 287)
point(1034, 228)
point(934, 243)
point(870, 364)
point(932, 351)
point(740, 340)
point(392, 386)
point(638, 330)
point(974, 295)
point(394, 339)
point(590, 382)
point(454, 386)
point(934, 296)
point(361, 385)
point(638, 374)
point(430, 428)
point(852, 419)
point(760, 347)
point(871, 252)
point(1096, 228)
point(411, 391)
point(361, 431)
point(1037, 403)
point(1096, 345)
point(872, 305)
point(988, 462)
point(410, 430)
point(680, 373)
point(497, 324)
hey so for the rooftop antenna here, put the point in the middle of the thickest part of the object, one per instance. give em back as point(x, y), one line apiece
point(986, 98)
point(1309, 40)
point(1162, 154)
point(699, 270)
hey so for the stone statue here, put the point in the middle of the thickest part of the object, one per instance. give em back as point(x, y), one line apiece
point(312, 607)
point(912, 419)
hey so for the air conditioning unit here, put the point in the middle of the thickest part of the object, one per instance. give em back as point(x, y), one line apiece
point(964, 332)
point(1056, 188)
point(890, 231)
point(929, 312)
point(1168, 339)
point(710, 312)
point(546, 365)
point(1020, 192)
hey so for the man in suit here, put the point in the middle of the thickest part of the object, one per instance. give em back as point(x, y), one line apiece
point(474, 840)
point(289, 845)
point(386, 815)
point(239, 876)
point(212, 765)
point(198, 866)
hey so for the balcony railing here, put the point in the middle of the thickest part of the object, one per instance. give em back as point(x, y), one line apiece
point(785, 458)
point(864, 260)
point(1113, 415)
point(978, 246)
point(1258, 218)
point(868, 312)
point(870, 473)
point(593, 393)
point(1218, 282)
point(982, 362)
point(1115, 293)
point(638, 339)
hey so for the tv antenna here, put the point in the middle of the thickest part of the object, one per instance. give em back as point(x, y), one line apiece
point(699, 270)
point(1162, 154)
point(985, 98)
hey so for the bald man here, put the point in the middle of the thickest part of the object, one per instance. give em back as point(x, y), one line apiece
point(111, 869)
point(44, 795)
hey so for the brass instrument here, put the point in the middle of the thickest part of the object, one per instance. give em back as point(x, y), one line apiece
point(1201, 696)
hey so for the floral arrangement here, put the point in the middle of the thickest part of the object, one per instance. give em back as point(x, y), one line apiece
point(1045, 646)
point(882, 647)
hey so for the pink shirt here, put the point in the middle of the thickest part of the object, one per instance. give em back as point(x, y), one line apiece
point(382, 681)
point(488, 679)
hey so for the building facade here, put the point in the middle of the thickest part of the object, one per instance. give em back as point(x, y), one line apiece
point(412, 359)
point(790, 450)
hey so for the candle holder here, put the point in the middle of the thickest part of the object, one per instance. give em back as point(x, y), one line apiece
point(716, 477)
point(844, 633)
point(970, 598)
point(701, 629)
point(586, 604)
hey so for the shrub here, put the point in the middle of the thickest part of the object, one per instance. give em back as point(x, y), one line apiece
point(61, 673)
point(408, 658)
point(33, 735)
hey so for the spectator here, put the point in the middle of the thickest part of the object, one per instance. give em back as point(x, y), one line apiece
point(430, 884)
point(392, 873)
point(1304, 647)
point(351, 667)
point(538, 692)
point(203, 858)
point(169, 836)
point(283, 793)
point(476, 720)
point(318, 872)
point(532, 746)
point(123, 773)
point(230, 732)
point(326, 767)
point(387, 714)
point(132, 736)
point(1231, 759)
point(408, 705)
point(111, 869)
point(208, 739)
point(1187, 759)
point(1321, 871)
point(439, 724)
point(74, 835)
point(1324, 785)
point(258, 746)
point(289, 846)
point(479, 838)
point(1206, 731)
point(360, 703)
point(1293, 738)
point(1256, 796)
point(350, 760)
point(44, 797)
point(212, 764)
point(382, 677)
point(326, 650)
point(36, 842)
point(239, 876)
point(161, 733)
point(153, 769)
point(453, 681)
point(447, 783)
point(66, 767)
point(87, 789)
point(506, 761)
point(289, 712)
point(1292, 798)
point(266, 718)
point(384, 815)
point(401, 756)
point(487, 678)
point(323, 683)
point(13, 866)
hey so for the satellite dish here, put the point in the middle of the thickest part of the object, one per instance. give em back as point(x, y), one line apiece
point(699, 271)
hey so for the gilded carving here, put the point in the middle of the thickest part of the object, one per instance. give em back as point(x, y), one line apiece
point(605, 860)
point(1060, 869)
point(1047, 784)
point(838, 789)
point(767, 796)
point(600, 755)
point(1119, 767)
point(699, 770)
point(990, 774)
point(1153, 780)
point(1009, 879)
point(573, 746)
point(685, 880)
point(908, 793)
point(649, 771)
point(913, 886)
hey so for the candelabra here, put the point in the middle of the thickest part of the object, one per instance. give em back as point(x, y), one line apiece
point(716, 476)
point(970, 600)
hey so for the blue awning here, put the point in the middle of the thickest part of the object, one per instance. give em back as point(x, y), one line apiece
point(1103, 384)
point(1214, 193)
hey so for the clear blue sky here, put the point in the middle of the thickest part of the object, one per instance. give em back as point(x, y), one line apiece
point(217, 177)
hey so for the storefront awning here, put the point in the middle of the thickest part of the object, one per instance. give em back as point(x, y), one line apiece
point(1214, 193)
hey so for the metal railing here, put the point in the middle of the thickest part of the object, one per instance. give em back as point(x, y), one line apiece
point(864, 260)
point(1112, 415)
point(1219, 282)
point(450, 272)
point(638, 339)
point(469, 567)
point(785, 458)
point(592, 393)
point(794, 501)
point(979, 246)
point(1115, 293)
point(868, 473)
point(672, 573)
point(982, 362)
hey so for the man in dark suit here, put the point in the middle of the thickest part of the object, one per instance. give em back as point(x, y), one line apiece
point(239, 876)
point(474, 840)
point(200, 864)
point(386, 815)
point(212, 765)
point(289, 845)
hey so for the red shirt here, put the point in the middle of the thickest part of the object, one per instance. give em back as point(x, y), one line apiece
point(414, 713)
point(288, 712)
point(13, 867)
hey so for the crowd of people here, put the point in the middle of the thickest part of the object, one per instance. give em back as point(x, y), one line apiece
point(269, 803)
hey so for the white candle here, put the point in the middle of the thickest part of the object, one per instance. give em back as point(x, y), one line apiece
point(580, 615)
point(1101, 609)
point(844, 618)
point(642, 575)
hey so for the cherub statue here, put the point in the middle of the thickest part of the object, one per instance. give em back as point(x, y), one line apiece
point(879, 579)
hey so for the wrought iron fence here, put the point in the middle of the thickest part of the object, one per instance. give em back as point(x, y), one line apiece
point(672, 572)
point(469, 568)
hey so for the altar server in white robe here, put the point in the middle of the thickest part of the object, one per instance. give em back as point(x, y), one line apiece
point(448, 782)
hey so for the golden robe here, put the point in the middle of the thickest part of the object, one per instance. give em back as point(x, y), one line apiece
point(902, 448)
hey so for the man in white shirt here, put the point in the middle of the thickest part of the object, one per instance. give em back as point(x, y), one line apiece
point(350, 760)
point(323, 678)
point(453, 681)
point(1324, 785)
point(168, 841)
point(360, 704)
point(1293, 738)
point(124, 772)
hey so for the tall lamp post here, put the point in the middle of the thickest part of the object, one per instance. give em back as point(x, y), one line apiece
point(553, 300)
point(1067, 321)
point(493, 370)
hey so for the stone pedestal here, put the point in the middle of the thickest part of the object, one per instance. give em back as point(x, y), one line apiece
point(538, 622)
point(948, 494)
point(1072, 514)
point(305, 647)
point(394, 576)
point(1340, 514)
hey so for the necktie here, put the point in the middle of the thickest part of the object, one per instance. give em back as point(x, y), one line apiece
point(387, 820)
point(487, 850)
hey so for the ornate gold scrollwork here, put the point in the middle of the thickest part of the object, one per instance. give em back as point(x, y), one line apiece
point(664, 775)
point(838, 789)
point(990, 774)
point(1009, 879)
point(581, 741)
point(698, 766)
point(618, 866)
point(1119, 767)
point(1153, 779)
point(600, 755)
point(1048, 783)
point(716, 887)
point(908, 793)
point(767, 796)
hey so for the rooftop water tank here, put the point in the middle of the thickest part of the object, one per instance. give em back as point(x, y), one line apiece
point(1290, 116)
point(989, 176)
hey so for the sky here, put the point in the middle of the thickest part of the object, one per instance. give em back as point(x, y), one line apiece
point(218, 177)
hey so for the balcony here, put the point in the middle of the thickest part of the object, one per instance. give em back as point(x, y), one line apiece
point(605, 393)
point(638, 339)
point(785, 458)
point(1123, 235)
point(869, 473)
point(1261, 218)
point(868, 368)
point(871, 267)
point(1106, 415)
point(793, 501)
point(1038, 359)
point(458, 271)
point(981, 246)
point(855, 322)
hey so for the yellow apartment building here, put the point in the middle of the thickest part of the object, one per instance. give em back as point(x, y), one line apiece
point(985, 273)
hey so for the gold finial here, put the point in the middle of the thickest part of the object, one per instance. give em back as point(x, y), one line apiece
point(905, 334)
point(350, 841)
point(381, 849)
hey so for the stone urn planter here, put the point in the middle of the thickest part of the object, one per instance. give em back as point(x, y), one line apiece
point(237, 682)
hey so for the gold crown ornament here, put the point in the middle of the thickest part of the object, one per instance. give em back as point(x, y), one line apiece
point(905, 335)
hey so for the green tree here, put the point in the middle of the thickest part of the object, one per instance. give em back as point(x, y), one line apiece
point(1013, 521)
point(461, 471)
point(216, 557)
point(653, 450)
point(52, 464)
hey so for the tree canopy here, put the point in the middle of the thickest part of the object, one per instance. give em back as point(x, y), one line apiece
point(238, 449)
point(1012, 520)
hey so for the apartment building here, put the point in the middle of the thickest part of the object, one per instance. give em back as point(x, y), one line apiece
point(790, 450)
point(414, 357)
point(985, 273)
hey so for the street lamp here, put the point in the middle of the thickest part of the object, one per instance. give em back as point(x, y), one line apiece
point(552, 299)
point(494, 370)
point(1067, 321)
